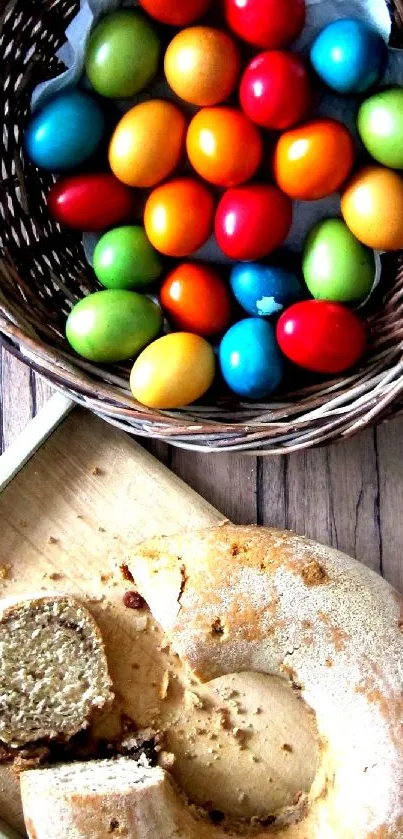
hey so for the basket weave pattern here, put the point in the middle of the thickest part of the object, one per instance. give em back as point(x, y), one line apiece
point(43, 271)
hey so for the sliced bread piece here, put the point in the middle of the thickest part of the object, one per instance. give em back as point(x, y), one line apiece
point(53, 669)
point(102, 798)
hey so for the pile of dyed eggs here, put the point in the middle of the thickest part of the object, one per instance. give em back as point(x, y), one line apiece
point(233, 163)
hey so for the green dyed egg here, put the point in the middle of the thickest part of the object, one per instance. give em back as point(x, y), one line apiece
point(112, 325)
point(336, 265)
point(380, 123)
point(122, 54)
point(125, 258)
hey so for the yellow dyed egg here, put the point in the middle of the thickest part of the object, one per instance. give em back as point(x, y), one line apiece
point(372, 207)
point(173, 371)
point(148, 143)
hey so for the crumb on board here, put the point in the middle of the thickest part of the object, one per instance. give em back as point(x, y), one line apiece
point(140, 623)
point(98, 471)
point(5, 572)
point(126, 573)
point(96, 599)
point(287, 748)
point(166, 760)
point(101, 529)
point(164, 685)
point(53, 540)
point(192, 700)
point(105, 578)
point(55, 575)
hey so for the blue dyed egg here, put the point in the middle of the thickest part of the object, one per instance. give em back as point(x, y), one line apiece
point(264, 290)
point(65, 132)
point(250, 359)
point(350, 56)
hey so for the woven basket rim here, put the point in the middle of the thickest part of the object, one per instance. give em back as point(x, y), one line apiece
point(317, 413)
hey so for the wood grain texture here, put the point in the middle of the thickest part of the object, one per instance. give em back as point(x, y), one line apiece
point(389, 444)
point(349, 496)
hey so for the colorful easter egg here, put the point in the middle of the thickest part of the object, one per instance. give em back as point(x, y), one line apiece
point(349, 55)
point(179, 216)
point(275, 91)
point(148, 143)
point(321, 337)
point(336, 266)
point(173, 371)
point(196, 299)
point(202, 65)
point(380, 123)
point(176, 12)
point(113, 325)
point(122, 54)
point(224, 147)
point(252, 221)
point(125, 258)
point(372, 207)
point(250, 359)
point(65, 132)
point(267, 24)
point(313, 160)
point(264, 290)
point(91, 202)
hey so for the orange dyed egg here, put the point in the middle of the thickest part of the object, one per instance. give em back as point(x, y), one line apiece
point(372, 206)
point(223, 146)
point(202, 65)
point(148, 143)
point(313, 160)
point(196, 299)
point(178, 217)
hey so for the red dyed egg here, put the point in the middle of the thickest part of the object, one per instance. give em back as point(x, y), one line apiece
point(275, 91)
point(251, 221)
point(322, 337)
point(176, 12)
point(91, 202)
point(267, 24)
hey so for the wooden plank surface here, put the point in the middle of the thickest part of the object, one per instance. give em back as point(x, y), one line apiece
point(349, 495)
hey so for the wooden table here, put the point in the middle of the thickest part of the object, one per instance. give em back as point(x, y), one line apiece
point(349, 495)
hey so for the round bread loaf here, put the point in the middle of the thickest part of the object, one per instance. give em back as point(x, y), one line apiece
point(235, 599)
point(250, 599)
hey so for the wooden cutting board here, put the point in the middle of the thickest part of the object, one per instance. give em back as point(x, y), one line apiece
point(69, 518)
point(68, 522)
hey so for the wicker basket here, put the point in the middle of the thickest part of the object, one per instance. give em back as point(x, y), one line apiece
point(43, 270)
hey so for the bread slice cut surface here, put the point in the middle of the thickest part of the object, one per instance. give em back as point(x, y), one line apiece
point(53, 670)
